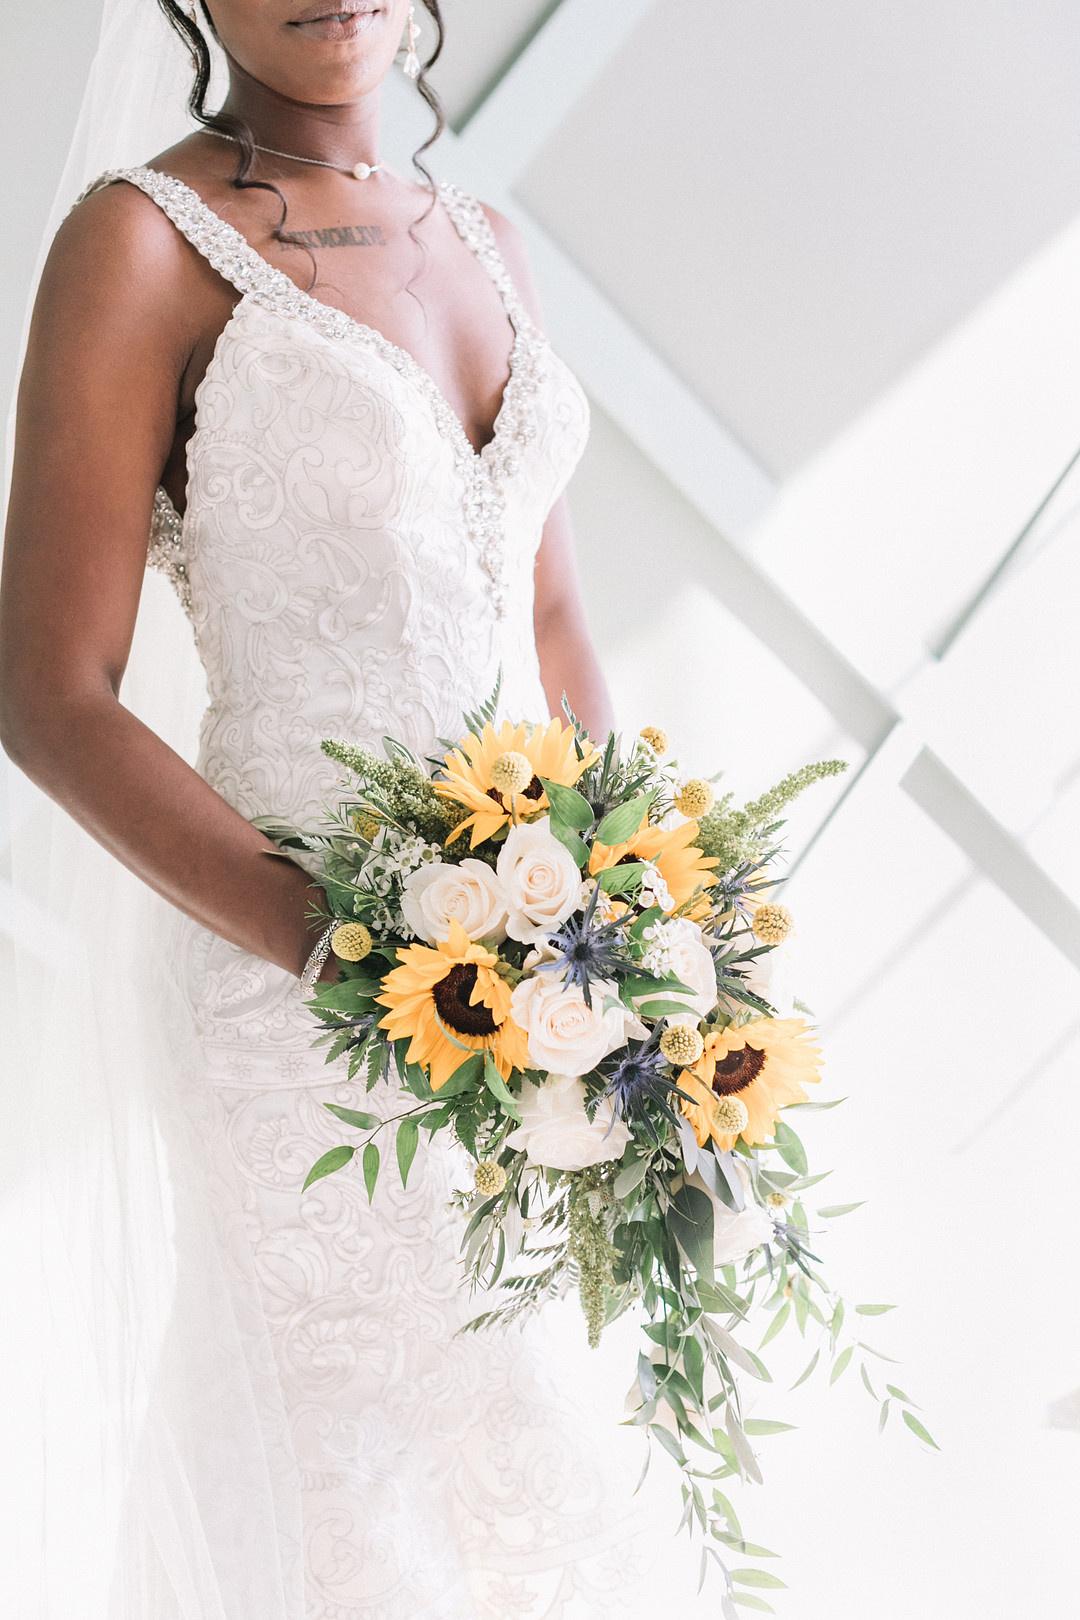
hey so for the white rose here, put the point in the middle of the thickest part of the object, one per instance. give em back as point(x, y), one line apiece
point(469, 891)
point(556, 1132)
point(540, 879)
point(689, 958)
point(736, 1232)
point(564, 1035)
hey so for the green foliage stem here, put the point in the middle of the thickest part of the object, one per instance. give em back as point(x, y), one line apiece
point(405, 789)
point(735, 836)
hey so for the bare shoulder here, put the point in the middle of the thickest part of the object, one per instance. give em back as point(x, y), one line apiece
point(116, 256)
point(511, 244)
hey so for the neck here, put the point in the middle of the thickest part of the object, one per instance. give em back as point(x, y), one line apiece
point(344, 134)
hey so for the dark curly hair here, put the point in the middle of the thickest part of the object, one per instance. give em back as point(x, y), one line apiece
point(192, 35)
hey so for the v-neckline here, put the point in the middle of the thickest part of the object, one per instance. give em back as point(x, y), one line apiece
point(340, 322)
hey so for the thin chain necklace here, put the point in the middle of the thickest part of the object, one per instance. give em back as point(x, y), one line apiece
point(358, 171)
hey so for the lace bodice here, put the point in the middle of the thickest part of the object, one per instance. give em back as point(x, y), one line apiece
point(351, 565)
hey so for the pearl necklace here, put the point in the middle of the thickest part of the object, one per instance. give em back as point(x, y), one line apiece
point(359, 171)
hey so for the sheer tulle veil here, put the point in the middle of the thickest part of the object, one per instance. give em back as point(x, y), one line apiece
point(131, 1366)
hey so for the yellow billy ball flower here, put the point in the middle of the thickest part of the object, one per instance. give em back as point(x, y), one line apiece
point(694, 798)
point(366, 823)
point(771, 923)
point(490, 1177)
point(655, 738)
point(776, 1200)
point(682, 1044)
point(351, 942)
point(511, 772)
point(731, 1114)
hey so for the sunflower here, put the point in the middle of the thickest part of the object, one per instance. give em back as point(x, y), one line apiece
point(682, 865)
point(451, 1002)
point(548, 749)
point(763, 1063)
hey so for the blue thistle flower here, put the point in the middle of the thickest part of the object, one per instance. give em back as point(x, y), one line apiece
point(639, 1074)
point(588, 950)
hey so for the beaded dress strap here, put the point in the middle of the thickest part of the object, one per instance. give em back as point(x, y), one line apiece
point(474, 227)
point(224, 248)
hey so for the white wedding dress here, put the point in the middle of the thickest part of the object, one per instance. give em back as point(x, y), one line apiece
point(352, 567)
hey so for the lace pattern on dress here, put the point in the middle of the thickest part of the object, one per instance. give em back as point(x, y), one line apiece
point(484, 473)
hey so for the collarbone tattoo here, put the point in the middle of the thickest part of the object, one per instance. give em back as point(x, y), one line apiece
point(332, 236)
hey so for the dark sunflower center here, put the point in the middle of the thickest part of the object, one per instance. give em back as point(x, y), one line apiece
point(451, 997)
point(736, 1071)
point(533, 791)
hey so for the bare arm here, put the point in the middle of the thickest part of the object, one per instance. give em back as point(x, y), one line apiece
point(568, 661)
point(114, 327)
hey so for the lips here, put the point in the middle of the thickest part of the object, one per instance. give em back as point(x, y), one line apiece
point(324, 10)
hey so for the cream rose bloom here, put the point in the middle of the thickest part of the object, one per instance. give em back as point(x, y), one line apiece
point(556, 1132)
point(736, 1232)
point(564, 1035)
point(469, 891)
point(540, 879)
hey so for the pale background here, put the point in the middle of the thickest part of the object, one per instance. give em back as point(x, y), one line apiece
point(818, 268)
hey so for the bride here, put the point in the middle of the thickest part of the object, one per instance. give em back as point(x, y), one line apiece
point(323, 391)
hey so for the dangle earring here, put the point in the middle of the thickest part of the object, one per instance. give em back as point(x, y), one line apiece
point(411, 64)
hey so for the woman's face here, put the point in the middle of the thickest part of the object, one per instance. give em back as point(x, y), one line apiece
point(322, 52)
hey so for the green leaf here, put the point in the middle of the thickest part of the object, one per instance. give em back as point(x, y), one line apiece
point(408, 1134)
point(907, 1400)
point(622, 822)
point(661, 1009)
point(371, 1168)
point(790, 1148)
point(804, 1375)
point(766, 1426)
point(776, 1324)
point(873, 1310)
point(351, 995)
point(569, 839)
point(646, 1376)
point(919, 1429)
point(690, 1216)
point(464, 1077)
point(841, 1363)
point(757, 1577)
point(669, 1442)
point(736, 1352)
point(747, 1600)
point(568, 805)
point(884, 1417)
point(694, 1363)
point(630, 1176)
point(352, 1116)
point(498, 1087)
point(331, 1161)
point(617, 879)
point(748, 1548)
point(831, 1211)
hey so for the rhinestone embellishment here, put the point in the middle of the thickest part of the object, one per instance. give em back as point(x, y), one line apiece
point(166, 551)
point(483, 473)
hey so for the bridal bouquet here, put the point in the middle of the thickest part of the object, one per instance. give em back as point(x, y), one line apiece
point(567, 953)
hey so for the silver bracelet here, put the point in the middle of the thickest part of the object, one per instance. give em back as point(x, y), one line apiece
point(315, 962)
